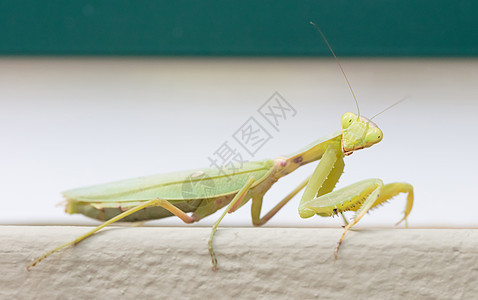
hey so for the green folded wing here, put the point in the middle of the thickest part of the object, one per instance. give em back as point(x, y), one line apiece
point(185, 185)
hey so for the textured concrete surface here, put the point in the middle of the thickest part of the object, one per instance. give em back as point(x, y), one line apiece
point(253, 263)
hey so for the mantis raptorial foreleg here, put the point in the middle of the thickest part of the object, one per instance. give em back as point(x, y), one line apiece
point(375, 185)
point(392, 189)
point(346, 222)
point(321, 181)
point(359, 197)
point(352, 197)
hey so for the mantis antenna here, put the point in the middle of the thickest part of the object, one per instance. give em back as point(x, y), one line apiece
point(387, 108)
point(340, 66)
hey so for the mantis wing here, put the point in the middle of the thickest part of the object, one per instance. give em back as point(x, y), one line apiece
point(185, 185)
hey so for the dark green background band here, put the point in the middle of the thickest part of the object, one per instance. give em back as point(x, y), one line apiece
point(239, 28)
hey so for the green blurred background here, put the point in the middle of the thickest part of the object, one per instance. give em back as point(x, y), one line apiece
point(238, 28)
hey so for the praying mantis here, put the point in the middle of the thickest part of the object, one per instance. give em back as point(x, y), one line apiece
point(160, 196)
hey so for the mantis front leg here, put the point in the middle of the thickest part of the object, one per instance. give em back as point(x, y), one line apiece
point(359, 197)
point(323, 180)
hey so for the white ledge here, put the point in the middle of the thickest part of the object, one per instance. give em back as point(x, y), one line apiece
point(154, 262)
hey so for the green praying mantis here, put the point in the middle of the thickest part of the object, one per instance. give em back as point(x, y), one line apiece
point(160, 196)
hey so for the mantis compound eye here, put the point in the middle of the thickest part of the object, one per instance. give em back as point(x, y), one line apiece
point(348, 119)
point(373, 136)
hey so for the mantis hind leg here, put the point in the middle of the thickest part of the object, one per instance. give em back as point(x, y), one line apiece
point(155, 202)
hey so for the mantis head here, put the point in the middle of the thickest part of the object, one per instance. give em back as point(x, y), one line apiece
point(358, 133)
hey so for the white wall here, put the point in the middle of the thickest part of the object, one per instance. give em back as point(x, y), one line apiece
point(72, 122)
